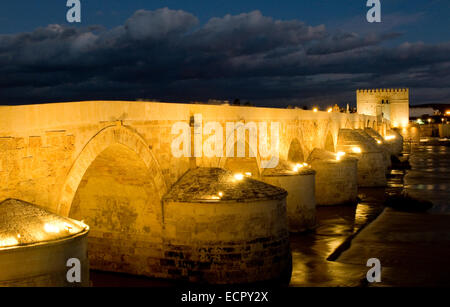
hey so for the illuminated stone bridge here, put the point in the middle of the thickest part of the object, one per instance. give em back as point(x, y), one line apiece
point(111, 165)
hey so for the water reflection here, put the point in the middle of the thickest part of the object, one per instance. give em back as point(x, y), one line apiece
point(334, 225)
point(429, 177)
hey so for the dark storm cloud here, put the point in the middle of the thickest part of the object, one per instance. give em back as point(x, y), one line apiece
point(166, 54)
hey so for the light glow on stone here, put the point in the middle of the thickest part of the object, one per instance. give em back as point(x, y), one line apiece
point(239, 176)
point(51, 228)
point(8, 242)
point(339, 154)
point(389, 137)
point(356, 149)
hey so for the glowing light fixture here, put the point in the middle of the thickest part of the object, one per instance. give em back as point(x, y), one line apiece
point(356, 149)
point(220, 194)
point(447, 112)
point(315, 110)
point(379, 142)
point(297, 167)
point(8, 242)
point(51, 228)
point(248, 174)
point(330, 110)
point(238, 177)
point(395, 124)
point(389, 137)
point(339, 154)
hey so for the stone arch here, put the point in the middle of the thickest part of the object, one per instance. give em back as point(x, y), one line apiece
point(107, 137)
point(348, 124)
point(329, 142)
point(247, 163)
point(295, 152)
point(116, 187)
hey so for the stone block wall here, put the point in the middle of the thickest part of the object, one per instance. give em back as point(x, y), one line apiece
point(226, 242)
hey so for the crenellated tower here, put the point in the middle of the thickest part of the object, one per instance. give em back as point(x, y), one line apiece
point(392, 104)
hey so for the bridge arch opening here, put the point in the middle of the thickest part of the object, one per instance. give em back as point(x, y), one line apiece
point(118, 199)
point(329, 143)
point(295, 153)
point(247, 164)
point(116, 188)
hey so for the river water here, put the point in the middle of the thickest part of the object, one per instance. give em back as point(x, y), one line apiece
point(313, 253)
point(429, 177)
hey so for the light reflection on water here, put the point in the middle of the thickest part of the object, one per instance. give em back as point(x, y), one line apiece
point(429, 177)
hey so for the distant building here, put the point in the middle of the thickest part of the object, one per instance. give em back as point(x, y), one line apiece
point(392, 104)
point(419, 111)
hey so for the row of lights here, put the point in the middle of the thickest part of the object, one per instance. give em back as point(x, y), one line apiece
point(299, 166)
point(296, 168)
point(48, 228)
point(237, 177)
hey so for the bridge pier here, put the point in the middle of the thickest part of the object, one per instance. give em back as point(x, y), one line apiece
point(336, 178)
point(385, 153)
point(36, 244)
point(225, 229)
point(371, 160)
point(299, 181)
point(394, 139)
point(381, 142)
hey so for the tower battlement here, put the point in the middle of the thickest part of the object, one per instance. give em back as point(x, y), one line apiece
point(383, 90)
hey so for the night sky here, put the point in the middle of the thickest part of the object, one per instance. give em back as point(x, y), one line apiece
point(272, 53)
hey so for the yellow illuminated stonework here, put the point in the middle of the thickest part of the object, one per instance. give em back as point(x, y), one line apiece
point(391, 104)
